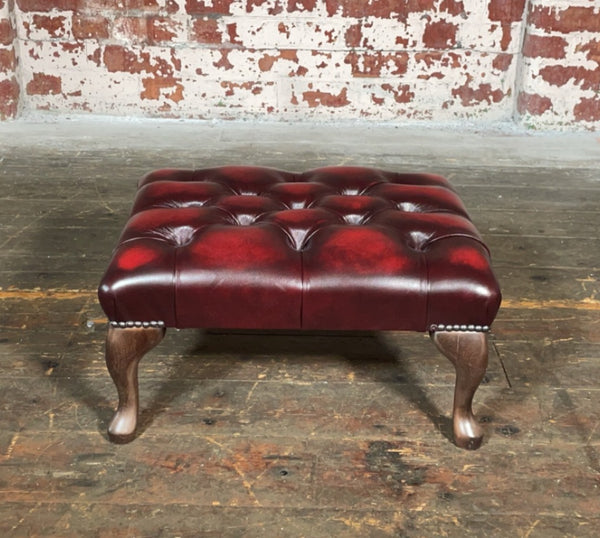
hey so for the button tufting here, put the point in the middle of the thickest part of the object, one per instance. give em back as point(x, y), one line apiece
point(178, 204)
point(418, 240)
point(299, 195)
point(409, 207)
point(178, 236)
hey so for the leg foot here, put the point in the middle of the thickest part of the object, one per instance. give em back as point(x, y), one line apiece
point(468, 352)
point(124, 350)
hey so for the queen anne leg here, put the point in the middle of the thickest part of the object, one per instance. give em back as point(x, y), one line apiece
point(124, 349)
point(468, 352)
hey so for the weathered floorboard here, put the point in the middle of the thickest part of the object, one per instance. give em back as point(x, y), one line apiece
point(288, 434)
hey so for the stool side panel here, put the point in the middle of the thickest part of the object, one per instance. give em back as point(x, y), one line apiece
point(239, 277)
point(362, 278)
point(139, 283)
point(462, 286)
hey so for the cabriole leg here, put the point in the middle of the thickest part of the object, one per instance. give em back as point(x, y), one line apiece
point(124, 349)
point(468, 351)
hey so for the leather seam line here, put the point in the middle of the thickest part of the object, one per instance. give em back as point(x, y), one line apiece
point(449, 236)
point(175, 285)
point(302, 289)
point(427, 288)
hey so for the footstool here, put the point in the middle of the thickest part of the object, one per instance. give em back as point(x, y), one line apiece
point(337, 248)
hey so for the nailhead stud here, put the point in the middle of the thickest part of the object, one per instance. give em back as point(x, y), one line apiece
point(124, 324)
point(449, 328)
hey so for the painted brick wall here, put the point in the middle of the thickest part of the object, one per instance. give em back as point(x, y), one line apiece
point(560, 81)
point(9, 86)
point(309, 59)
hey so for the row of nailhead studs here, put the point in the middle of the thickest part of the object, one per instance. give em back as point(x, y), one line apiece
point(125, 324)
point(476, 328)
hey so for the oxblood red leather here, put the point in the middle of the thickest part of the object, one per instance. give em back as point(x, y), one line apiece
point(332, 248)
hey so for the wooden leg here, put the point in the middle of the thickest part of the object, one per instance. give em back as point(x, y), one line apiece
point(468, 352)
point(124, 350)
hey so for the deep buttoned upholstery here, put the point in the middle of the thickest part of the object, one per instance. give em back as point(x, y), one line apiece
point(334, 248)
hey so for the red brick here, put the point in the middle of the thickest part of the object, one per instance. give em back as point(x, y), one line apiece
point(280, 6)
point(224, 62)
point(544, 46)
point(8, 60)
point(200, 7)
point(453, 7)
point(559, 75)
point(281, 28)
point(446, 60)
point(96, 56)
point(154, 85)
point(9, 98)
point(119, 59)
point(593, 50)
point(55, 26)
point(316, 98)
point(133, 28)
point(353, 35)
point(439, 35)
point(230, 87)
point(506, 10)
point(571, 19)
point(161, 29)
point(172, 6)
point(49, 5)
point(7, 33)
point(426, 76)
point(274, 9)
point(233, 35)
point(588, 109)
point(301, 5)
point(119, 5)
point(506, 35)
point(207, 31)
point(502, 62)
point(141, 4)
point(371, 64)
point(471, 96)
point(402, 93)
point(95, 27)
point(42, 84)
point(267, 61)
point(384, 9)
point(533, 104)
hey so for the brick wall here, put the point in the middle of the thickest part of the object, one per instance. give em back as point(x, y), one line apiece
point(560, 81)
point(9, 86)
point(310, 59)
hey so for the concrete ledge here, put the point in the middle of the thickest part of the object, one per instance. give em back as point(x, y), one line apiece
point(441, 144)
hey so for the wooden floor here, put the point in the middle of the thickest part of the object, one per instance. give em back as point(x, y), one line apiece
point(289, 435)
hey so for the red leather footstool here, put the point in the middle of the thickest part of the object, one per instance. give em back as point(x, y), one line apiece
point(342, 248)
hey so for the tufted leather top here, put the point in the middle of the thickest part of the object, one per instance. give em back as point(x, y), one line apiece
point(332, 248)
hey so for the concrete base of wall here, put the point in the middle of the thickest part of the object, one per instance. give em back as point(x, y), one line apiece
point(381, 144)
